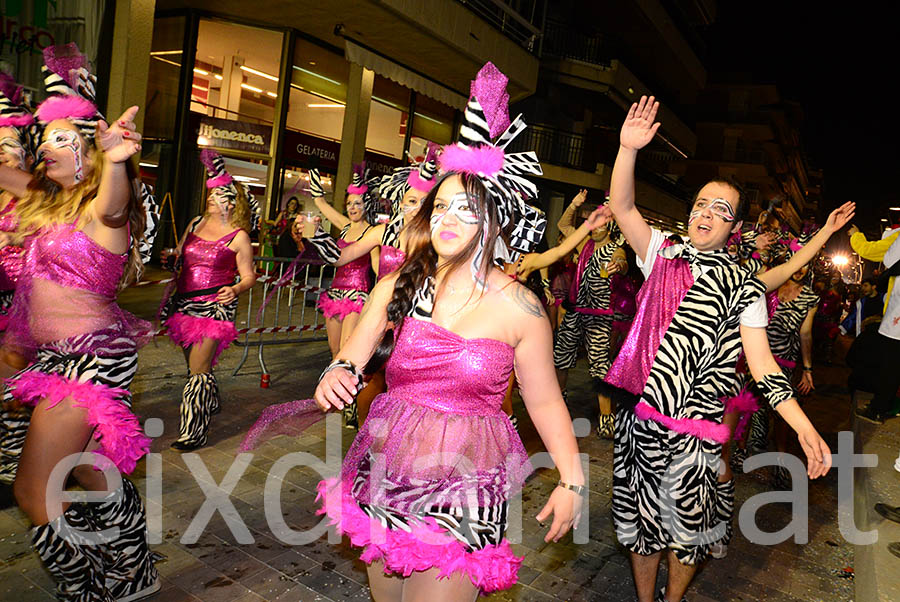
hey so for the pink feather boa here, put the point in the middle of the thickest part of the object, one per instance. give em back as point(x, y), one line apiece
point(340, 308)
point(427, 546)
point(418, 182)
point(65, 107)
point(223, 180)
point(187, 330)
point(17, 121)
point(361, 189)
point(483, 160)
point(116, 429)
point(699, 428)
point(744, 402)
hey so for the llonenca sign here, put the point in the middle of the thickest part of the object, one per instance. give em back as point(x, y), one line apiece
point(236, 135)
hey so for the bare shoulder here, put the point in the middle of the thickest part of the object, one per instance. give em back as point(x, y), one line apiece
point(522, 299)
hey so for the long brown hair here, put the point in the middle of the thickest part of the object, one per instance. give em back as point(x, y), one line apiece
point(47, 204)
point(422, 260)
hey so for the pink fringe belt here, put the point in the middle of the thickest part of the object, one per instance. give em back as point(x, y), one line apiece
point(425, 546)
point(116, 429)
point(340, 308)
point(594, 312)
point(186, 331)
point(695, 427)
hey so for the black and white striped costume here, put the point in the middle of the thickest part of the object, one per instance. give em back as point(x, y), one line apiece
point(665, 489)
point(350, 288)
point(586, 328)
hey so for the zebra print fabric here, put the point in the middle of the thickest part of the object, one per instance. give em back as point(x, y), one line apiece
point(114, 365)
point(783, 330)
point(665, 490)
point(198, 399)
point(225, 312)
point(152, 211)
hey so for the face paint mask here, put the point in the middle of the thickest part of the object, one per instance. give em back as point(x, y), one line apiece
point(226, 200)
point(13, 148)
point(718, 207)
point(61, 138)
point(459, 207)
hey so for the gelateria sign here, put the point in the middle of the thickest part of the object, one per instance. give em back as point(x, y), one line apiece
point(233, 135)
point(306, 150)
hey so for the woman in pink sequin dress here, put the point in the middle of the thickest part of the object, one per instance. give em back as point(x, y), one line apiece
point(200, 314)
point(83, 222)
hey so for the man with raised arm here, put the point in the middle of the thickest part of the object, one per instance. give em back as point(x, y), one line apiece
point(697, 310)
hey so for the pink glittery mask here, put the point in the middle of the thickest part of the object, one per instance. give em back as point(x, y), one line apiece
point(62, 138)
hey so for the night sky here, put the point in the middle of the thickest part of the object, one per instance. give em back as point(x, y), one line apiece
point(840, 65)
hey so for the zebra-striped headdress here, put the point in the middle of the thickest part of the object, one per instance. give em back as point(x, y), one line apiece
point(15, 113)
point(420, 176)
point(220, 179)
point(366, 186)
point(71, 89)
point(502, 173)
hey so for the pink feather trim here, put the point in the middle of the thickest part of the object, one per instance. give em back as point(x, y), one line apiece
point(426, 546)
point(223, 180)
point(340, 308)
point(746, 404)
point(484, 160)
point(418, 182)
point(118, 431)
point(187, 330)
point(17, 121)
point(795, 245)
point(65, 107)
point(361, 189)
point(698, 427)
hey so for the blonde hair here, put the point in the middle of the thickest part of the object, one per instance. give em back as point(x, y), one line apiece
point(240, 215)
point(47, 204)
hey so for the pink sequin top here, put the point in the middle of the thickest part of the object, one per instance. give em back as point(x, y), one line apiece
point(11, 257)
point(207, 264)
point(68, 290)
point(353, 276)
point(390, 260)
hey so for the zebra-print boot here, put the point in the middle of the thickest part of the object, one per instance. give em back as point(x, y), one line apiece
point(75, 563)
point(13, 428)
point(196, 401)
point(127, 561)
point(215, 406)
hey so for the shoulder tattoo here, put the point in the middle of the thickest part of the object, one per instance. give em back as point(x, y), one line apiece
point(527, 301)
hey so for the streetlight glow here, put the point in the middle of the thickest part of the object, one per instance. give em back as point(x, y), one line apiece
point(840, 260)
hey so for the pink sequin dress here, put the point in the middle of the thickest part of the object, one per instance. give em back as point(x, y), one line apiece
point(10, 262)
point(193, 313)
point(390, 260)
point(426, 482)
point(350, 288)
point(84, 346)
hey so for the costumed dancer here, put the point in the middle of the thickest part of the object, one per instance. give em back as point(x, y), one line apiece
point(425, 486)
point(589, 320)
point(697, 309)
point(404, 188)
point(200, 314)
point(83, 221)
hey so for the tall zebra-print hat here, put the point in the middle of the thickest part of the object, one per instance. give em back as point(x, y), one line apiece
point(502, 173)
point(225, 185)
point(419, 176)
point(71, 88)
point(364, 185)
point(15, 114)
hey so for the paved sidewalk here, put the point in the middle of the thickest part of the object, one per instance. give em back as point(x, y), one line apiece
point(216, 567)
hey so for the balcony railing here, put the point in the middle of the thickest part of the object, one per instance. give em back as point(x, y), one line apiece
point(561, 41)
point(522, 21)
point(553, 146)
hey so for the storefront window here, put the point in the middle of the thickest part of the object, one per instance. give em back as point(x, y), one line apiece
point(236, 72)
point(162, 85)
point(388, 117)
point(318, 91)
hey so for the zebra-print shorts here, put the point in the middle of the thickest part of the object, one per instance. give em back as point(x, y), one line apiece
point(226, 312)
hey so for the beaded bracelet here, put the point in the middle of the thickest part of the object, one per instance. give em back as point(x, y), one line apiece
point(776, 388)
point(346, 365)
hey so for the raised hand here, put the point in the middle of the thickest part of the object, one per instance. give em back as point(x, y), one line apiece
point(764, 240)
point(639, 127)
point(852, 229)
point(580, 198)
point(119, 141)
point(315, 183)
point(599, 218)
point(840, 217)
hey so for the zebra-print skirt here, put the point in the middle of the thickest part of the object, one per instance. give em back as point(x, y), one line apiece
point(192, 320)
point(665, 490)
point(340, 303)
point(97, 382)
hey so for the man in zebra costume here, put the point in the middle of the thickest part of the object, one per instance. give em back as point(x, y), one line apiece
point(697, 310)
point(589, 322)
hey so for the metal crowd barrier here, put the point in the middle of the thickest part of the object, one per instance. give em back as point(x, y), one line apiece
point(290, 289)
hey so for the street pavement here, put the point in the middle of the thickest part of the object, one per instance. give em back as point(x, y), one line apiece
point(217, 567)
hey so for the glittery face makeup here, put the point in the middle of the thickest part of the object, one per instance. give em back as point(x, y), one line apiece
point(68, 140)
point(225, 198)
point(12, 153)
point(718, 207)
